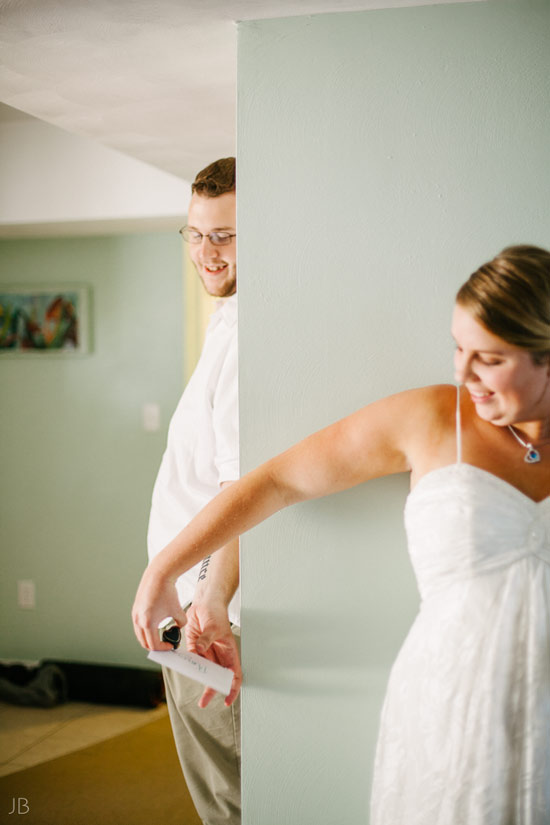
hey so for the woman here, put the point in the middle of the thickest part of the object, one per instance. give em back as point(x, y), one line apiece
point(465, 732)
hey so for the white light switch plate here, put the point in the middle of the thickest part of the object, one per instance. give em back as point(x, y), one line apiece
point(151, 418)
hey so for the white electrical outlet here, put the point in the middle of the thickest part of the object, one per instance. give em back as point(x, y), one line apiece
point(151, 417)
point(26, 594)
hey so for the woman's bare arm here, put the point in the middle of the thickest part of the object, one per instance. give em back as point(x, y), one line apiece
point(372, 442)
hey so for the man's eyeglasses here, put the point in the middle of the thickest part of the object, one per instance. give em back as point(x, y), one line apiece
point(215, 238)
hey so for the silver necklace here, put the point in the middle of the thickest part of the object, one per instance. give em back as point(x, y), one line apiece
point(532, 456)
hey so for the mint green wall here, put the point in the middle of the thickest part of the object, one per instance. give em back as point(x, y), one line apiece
point(77, 466)
point(382, 157)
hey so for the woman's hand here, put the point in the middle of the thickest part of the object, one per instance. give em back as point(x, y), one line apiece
point(208, 633)
point(156, 599)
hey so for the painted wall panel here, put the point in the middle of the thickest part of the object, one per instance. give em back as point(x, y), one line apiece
point(77, 466)
point(382, 157)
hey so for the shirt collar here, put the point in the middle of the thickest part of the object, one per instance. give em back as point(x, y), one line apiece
point(226, 309)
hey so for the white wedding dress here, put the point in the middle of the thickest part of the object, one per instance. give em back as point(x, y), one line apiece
point(465, 729)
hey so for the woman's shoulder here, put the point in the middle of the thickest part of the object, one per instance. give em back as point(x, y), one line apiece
point(427, 425)
point(420, 407)
point(432, 401)
point(427, 415)
point(392, 434)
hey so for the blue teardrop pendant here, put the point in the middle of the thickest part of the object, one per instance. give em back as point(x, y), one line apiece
point(532, 456)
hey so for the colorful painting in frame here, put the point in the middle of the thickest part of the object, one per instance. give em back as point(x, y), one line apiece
point(44, 320)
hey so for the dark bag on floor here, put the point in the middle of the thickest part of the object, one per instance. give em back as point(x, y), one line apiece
point(111, 684)
point(52, 682)
point(42, 686)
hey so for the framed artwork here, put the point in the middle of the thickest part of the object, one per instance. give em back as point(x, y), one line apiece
point(44, 319)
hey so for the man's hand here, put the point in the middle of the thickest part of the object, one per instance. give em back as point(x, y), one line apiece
point(208, 633)
point(155, 600)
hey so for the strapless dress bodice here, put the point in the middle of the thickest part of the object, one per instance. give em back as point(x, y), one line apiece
point(462, 522)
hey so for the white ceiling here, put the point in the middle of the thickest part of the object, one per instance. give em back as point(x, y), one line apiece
point(155, 79)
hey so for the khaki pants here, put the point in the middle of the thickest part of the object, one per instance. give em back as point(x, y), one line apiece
point(208, 742)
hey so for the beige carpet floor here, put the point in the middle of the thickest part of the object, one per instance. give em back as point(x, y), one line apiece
point(132, 779)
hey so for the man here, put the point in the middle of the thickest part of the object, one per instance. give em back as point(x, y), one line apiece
point(200, 458)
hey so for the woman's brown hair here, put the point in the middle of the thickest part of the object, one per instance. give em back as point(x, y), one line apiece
point(510, 296)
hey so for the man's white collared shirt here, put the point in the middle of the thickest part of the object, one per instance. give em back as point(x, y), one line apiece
point(203, 443)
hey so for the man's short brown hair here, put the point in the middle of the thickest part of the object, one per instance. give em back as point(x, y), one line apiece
point(216, 179)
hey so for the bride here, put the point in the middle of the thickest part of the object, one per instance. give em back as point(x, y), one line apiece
point(465, 728)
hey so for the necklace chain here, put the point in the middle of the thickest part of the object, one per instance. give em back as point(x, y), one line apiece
point(532, 456)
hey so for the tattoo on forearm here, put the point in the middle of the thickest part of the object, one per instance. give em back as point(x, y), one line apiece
point(204, 568)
